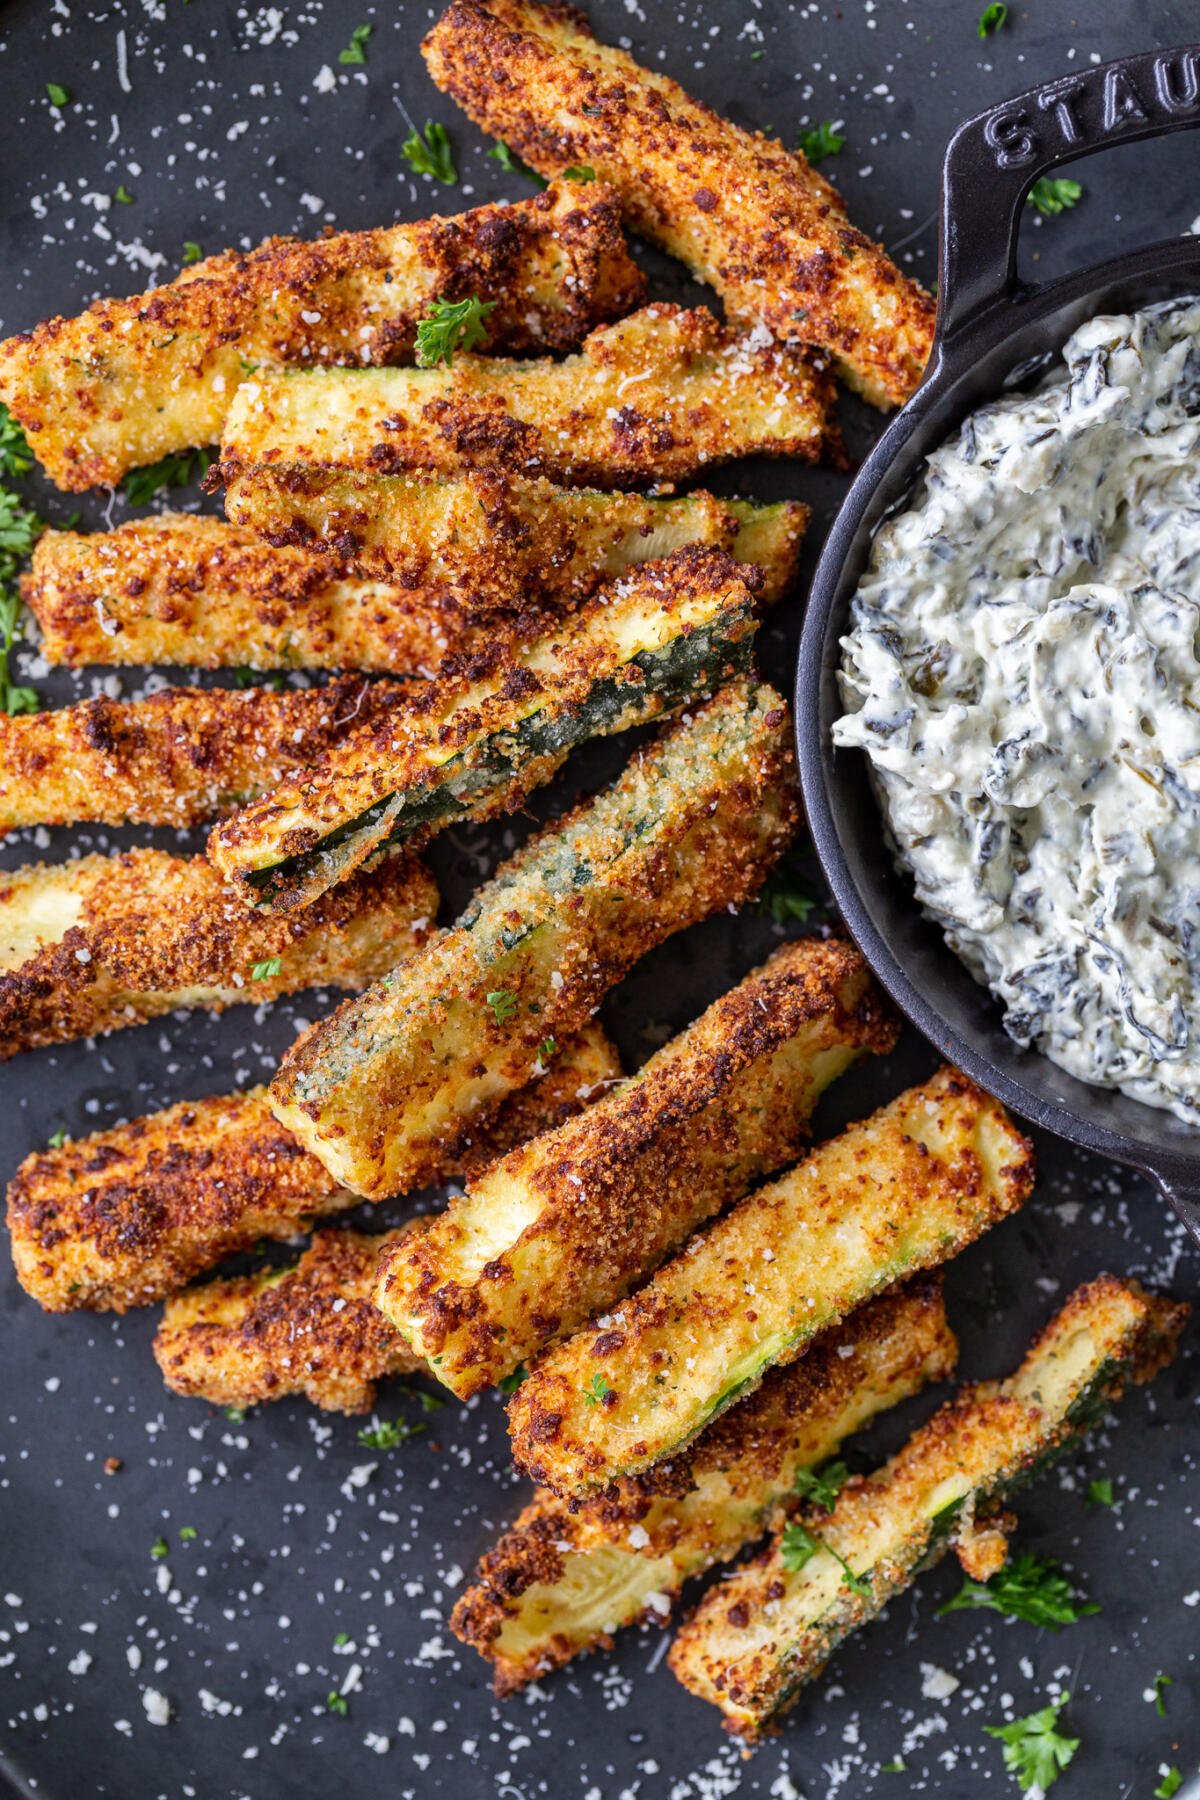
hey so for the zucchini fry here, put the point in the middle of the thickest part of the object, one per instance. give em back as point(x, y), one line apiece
point(130, 1215)
point(747, 215)
point(90, 946)
point(382, 1089)
point(446, 563)
point(654, 398)
point(757, 1638)
point(903, 1191)
point(478, 740)
point(131, 380)
point(563, 1227)
point(177, 758)
point(565, 1577)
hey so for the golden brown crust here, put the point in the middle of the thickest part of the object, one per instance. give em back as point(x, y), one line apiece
point(176, 758)
point(652, 399)
point(129, 1215)
point(132, 379)
point(747, 215)
point(150, 932)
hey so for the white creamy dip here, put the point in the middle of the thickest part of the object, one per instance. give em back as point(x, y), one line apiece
point(1023, 670)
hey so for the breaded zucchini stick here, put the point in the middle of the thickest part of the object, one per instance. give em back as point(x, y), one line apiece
point(176, 758)
point(904, 1190)
point(382, 573)
point(747, 215)
point(90, 946)
point(382, 1090)
point(480, 738)
point(312, 1328)
point(757, 1638)
point(131, 1214)
point(565, 1577)
point(654, 398)
point(130, 380)
point(563, 1227)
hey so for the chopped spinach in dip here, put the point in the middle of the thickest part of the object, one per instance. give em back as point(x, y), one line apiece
point(1023, 669)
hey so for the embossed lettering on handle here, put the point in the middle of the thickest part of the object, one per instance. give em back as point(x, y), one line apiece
point(992, 161)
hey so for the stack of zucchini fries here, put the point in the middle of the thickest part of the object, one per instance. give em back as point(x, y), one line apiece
point(451, 454)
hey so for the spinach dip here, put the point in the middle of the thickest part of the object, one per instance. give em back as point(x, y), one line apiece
point(1023, 670)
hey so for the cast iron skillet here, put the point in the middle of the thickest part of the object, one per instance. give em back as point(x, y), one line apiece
point(991, 329)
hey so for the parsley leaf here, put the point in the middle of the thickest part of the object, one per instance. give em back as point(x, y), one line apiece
point(501, 153)
point(897, 1766)
point(1160, 1703)
point(1055, 195)
point(57, 1139)
point(821, 140)
point(822, 1486)
point(597, 1390)
point(18, 530)
point(187, 1533)
point(141, 485)
point(1172, 1781)
point(192, 253)
point(59, 96)
point(430, 154)
point(343, 1637)
point(1028, 1587)
point(355, 53)
point(503, 1003)
point(267, 969)
point(1034, 1750)
point(547, 1050)
point(158, 1549)
point(123, 195)
point(508, 1384)
point(452, 325)
point(992, 18)
point(16, 458)
point(799, 1545)
point(784, 896)
point(1099, 1493)
point(387, 1434)
point(235, 1414)
point(249, 678)
point(579, 172)
point(338, 1703)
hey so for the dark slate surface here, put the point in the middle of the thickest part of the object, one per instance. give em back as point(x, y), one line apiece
point(226, 122)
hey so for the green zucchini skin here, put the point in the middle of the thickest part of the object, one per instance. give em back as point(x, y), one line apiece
point(378, 1090)
point(478, 739)
point(751, 1646)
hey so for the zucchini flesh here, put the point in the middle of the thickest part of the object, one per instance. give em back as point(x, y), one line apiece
point(477, 741)
point(382, 1088)
point(904, 1190)
point(561, 1228)
point(753, 1643)
point(566, 1576)
point(131, 1214)
point(656, 397)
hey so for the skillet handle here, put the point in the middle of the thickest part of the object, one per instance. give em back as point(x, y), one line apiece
point(1183, 1195)
point(993, 160)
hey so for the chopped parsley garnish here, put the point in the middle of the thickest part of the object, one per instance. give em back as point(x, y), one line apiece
point(140, 485)
point(597, 1390)
point(579, 172)
point(343, 1637)
point(251, 678)
point(235, 1414)
point(503, 1003)
point(821, 1486)
point(1053, 194)
point(501, 153)
point(508, 1384)
point(784, 896)
point(338, 1703)
point(16, 458)
point(1172, 1781)
point(123, 195)
point(158, 1549)
point(388, 1434)
point(547, 1050)
point(429, 154)
point(355, 53)
point(13, 699)
point(1160, 1703)
point(1035, 1751)
point(452, 325)
point(187, 1533)
point(897, 1766)
point(59, 96)
point(1099, 1493)
point(1029, 1587)
point(992, 18)
point(192, 253)
point(821, 140)
point(266, 970)
point(58, 1139)
point(798, 1547)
